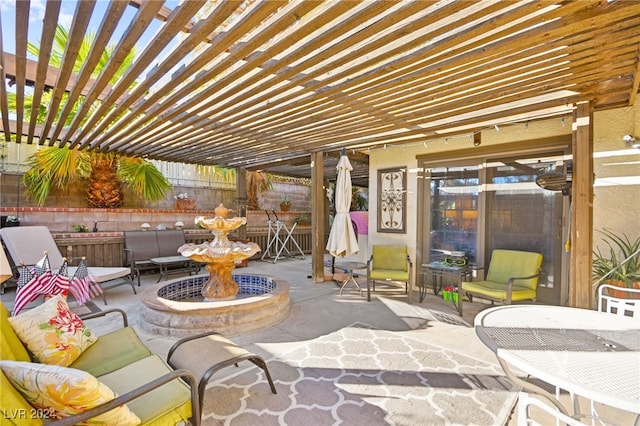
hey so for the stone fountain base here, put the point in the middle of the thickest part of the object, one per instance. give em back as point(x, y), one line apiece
point(176, 308)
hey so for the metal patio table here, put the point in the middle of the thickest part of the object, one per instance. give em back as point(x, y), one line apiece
point(589, 353)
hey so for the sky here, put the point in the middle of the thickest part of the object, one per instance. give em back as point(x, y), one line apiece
point(36, 15)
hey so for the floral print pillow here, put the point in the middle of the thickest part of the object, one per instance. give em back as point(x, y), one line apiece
point(56, 392)
point(52, 332)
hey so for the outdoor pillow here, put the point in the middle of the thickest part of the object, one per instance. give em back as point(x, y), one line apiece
point(52, 332)
point(60, 392)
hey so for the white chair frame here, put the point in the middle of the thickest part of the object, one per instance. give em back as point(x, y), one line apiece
point(618, 306)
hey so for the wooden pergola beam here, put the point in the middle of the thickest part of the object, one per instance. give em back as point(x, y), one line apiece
point(581, 293)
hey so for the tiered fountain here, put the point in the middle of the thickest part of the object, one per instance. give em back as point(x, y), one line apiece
point(222, 302)
point(220, 255)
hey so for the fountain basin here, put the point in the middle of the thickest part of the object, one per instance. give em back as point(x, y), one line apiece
point(176, 308)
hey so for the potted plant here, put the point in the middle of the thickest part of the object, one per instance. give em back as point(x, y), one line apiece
point(619, 265)
point(183, 202)
point(302, 219)
point(285, 204)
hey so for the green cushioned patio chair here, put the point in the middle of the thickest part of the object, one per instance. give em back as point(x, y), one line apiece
point(389, 263)
point(512, 276)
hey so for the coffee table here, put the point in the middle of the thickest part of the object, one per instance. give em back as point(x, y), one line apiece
point(173, 264)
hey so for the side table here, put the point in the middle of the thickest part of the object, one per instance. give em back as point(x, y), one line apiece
point(350, 266)
point(454, 274)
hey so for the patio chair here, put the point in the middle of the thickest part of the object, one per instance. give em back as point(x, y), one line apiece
point(389, 263)
point(27, 245)
point(544, 412)
point(620, 301)
point(512, 276)
point(619, 305)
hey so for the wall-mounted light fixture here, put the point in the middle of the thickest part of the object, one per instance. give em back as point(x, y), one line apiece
point(631, 141)
point(477, 139)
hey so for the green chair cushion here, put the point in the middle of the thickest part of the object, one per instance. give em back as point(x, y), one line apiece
point(111, 352)
point(498, 291)
point(392, 257)
point(15, 410)
point(389, 274)
point(169, 404)
point(11, 348)
point(513, 263)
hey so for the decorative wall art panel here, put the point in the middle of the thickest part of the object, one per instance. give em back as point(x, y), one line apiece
point(392, 200)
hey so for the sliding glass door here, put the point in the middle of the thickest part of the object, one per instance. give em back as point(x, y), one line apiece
point(454, 212)
point(476, 206)
point(523, 216)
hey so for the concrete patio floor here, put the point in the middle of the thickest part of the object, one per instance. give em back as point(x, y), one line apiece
point(318, 309)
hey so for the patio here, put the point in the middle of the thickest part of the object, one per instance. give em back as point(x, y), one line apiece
point(318, 312)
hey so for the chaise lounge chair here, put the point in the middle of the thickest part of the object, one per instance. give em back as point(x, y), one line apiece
point(27, 245)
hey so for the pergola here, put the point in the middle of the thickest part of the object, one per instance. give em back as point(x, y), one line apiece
point(275, 85)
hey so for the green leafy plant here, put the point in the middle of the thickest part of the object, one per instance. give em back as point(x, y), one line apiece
point(619, 263)
point(106, 173)
point(80, 228)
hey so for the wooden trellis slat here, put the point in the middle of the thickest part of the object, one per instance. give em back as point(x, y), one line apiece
point(246, 83)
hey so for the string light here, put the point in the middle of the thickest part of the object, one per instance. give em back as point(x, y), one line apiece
point(466, 136)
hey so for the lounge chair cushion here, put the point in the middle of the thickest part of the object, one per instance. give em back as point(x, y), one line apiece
point(103, 274)
point(10, 345)
point(112, 351)
point(169, 404)
point(11, 348)
point(52, 332)
point(65, 391)
point(15, 409)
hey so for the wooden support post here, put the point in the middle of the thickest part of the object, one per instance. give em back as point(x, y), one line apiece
point(241, 199)
point(580, 290)
point(318, 201)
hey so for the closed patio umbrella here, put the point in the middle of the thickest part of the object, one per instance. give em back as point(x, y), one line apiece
point(342, 239)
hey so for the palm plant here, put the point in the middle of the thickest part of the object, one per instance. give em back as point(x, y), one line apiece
point(107, 172)
point(257, 183)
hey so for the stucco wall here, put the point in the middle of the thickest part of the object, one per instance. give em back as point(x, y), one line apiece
point(615, 204)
